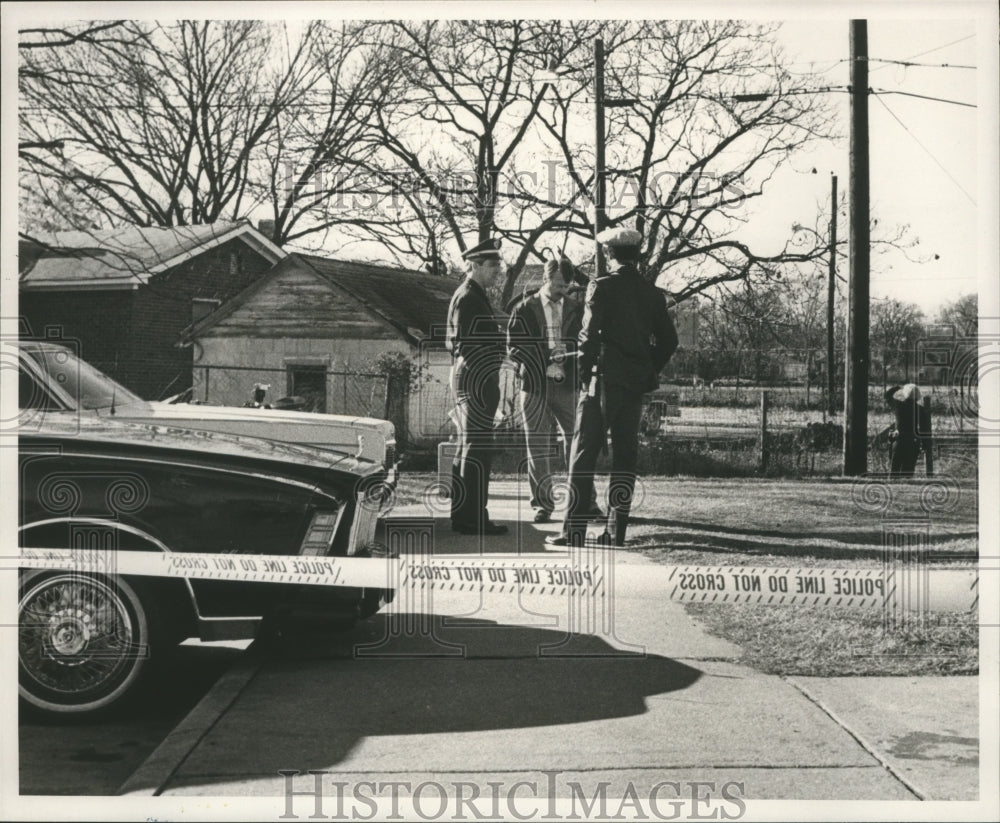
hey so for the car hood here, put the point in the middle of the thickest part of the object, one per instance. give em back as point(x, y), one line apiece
point(202, 445)
point(359, 436)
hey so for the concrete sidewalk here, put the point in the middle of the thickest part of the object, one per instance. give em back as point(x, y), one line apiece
point(492, 689)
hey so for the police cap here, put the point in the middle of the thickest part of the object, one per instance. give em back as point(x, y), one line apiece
point(619, 236)
point(487, 250)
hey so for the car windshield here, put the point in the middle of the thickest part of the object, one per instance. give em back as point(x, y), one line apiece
point(87, 387)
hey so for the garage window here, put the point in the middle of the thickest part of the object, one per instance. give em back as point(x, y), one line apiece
point(309, 383)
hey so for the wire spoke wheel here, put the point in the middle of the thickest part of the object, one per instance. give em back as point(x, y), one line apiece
point(83, 642)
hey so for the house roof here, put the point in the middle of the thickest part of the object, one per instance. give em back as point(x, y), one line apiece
point(124, 258)
point(412, 302)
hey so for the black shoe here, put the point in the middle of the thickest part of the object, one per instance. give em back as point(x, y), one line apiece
point(489, 527)
point(564, 541)
point(604, 540)
point(542, 516)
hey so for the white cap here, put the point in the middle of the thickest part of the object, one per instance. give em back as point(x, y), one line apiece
point(619, 236)
point(907, 392)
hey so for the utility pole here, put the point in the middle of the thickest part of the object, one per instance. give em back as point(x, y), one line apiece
point(856, 360)
point(831, 296)
point(599, 191)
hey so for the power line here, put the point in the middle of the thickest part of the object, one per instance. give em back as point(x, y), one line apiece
point(877, 92)
point(922, 65)
point(929, 51)
point(928, 151)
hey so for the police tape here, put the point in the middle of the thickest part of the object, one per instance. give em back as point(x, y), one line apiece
point(902, 586)
point(583, 572)
point(496, 574)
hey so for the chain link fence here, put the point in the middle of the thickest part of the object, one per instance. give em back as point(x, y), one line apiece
point(731, 426)
point(735, 425)
point(775, 436)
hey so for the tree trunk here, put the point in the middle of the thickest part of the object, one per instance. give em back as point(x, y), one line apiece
point(809, 363)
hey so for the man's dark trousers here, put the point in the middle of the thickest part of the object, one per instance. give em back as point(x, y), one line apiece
point(904, 452)
point(470, 472)
point(621, 414)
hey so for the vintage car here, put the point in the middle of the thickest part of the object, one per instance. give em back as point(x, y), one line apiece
point(53, 377)
point(88, 640)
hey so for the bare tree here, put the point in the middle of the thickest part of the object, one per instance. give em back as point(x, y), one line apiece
point(712, 104)
point(158, 125)
point(195, 122)
point(895, 327)
point(308, 168)
point(963, 314)
point(449, 144)
point(105, 31)
point(711, 114)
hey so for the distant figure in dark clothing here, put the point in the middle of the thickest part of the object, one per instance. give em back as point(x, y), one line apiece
point(904, 442)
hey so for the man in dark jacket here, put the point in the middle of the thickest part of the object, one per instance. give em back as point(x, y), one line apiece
point(541, 339)
point(476, 344)
point(626, 338)
point(905, 441)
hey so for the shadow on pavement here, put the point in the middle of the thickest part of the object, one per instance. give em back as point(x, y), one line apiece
point(312, 704)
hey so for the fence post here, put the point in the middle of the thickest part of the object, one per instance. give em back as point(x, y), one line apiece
point(397, 408)
point(762, 454)
point(926, 436)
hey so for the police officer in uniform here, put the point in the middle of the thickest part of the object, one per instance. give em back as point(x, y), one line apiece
point(477, 348)
point(626, 338)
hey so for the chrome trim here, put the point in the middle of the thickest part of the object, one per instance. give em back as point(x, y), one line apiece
point(38, 374)
point(256, 475)
point(201, 620)
point(100, 521)
point(364, 518)
point(126, 528)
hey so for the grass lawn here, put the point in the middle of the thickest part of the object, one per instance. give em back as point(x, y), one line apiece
point(789, 522)
point(836, 523)
point(832, 642)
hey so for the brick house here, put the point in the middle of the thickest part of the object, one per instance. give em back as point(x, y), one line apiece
point(312, 327)
point(124, 295)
